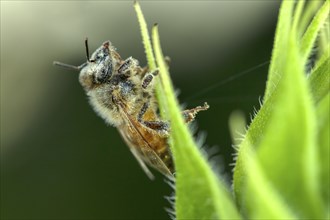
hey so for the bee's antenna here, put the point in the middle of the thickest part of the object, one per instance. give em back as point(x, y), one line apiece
point(69, 66)
point(77, 68)
point(87, 50)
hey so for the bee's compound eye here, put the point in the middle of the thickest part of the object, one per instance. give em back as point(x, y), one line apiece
point(104, 73)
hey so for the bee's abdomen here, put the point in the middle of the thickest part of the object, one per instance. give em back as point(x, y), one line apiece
point(161, 148)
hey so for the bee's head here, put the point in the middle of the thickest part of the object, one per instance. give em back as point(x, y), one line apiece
point(98, 68)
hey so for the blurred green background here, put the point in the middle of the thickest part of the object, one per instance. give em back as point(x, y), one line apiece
point(58, 158)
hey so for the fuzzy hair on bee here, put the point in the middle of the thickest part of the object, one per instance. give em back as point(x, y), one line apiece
point(122, 93)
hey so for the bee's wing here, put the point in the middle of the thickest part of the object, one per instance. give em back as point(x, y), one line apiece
point(143, 153)
point(137, 156)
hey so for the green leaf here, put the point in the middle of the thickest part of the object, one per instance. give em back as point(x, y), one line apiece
point(200, 194)
point(269, 204)
point(150, 57)
point(323, 43)
point(309, 12)
point(280, 45)
point(145, 36)
point(297, 14)
point(261, 120)
point(251, 140)
point(285, 24)
point(320, 77)
point(283, 133)
point(288, 148)
point(313, 29)
point(262, 200)
point(323, 119)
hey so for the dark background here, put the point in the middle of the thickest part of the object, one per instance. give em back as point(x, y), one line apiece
point(58, 158)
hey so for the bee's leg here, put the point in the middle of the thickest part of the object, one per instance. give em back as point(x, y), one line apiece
point(159, 126)
point(190, 114)
point(128, 64)
point(147, 79)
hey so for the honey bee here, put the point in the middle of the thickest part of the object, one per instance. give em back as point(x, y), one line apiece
point(122, 93)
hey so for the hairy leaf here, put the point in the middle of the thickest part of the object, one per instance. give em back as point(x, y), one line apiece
point(200, 194)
